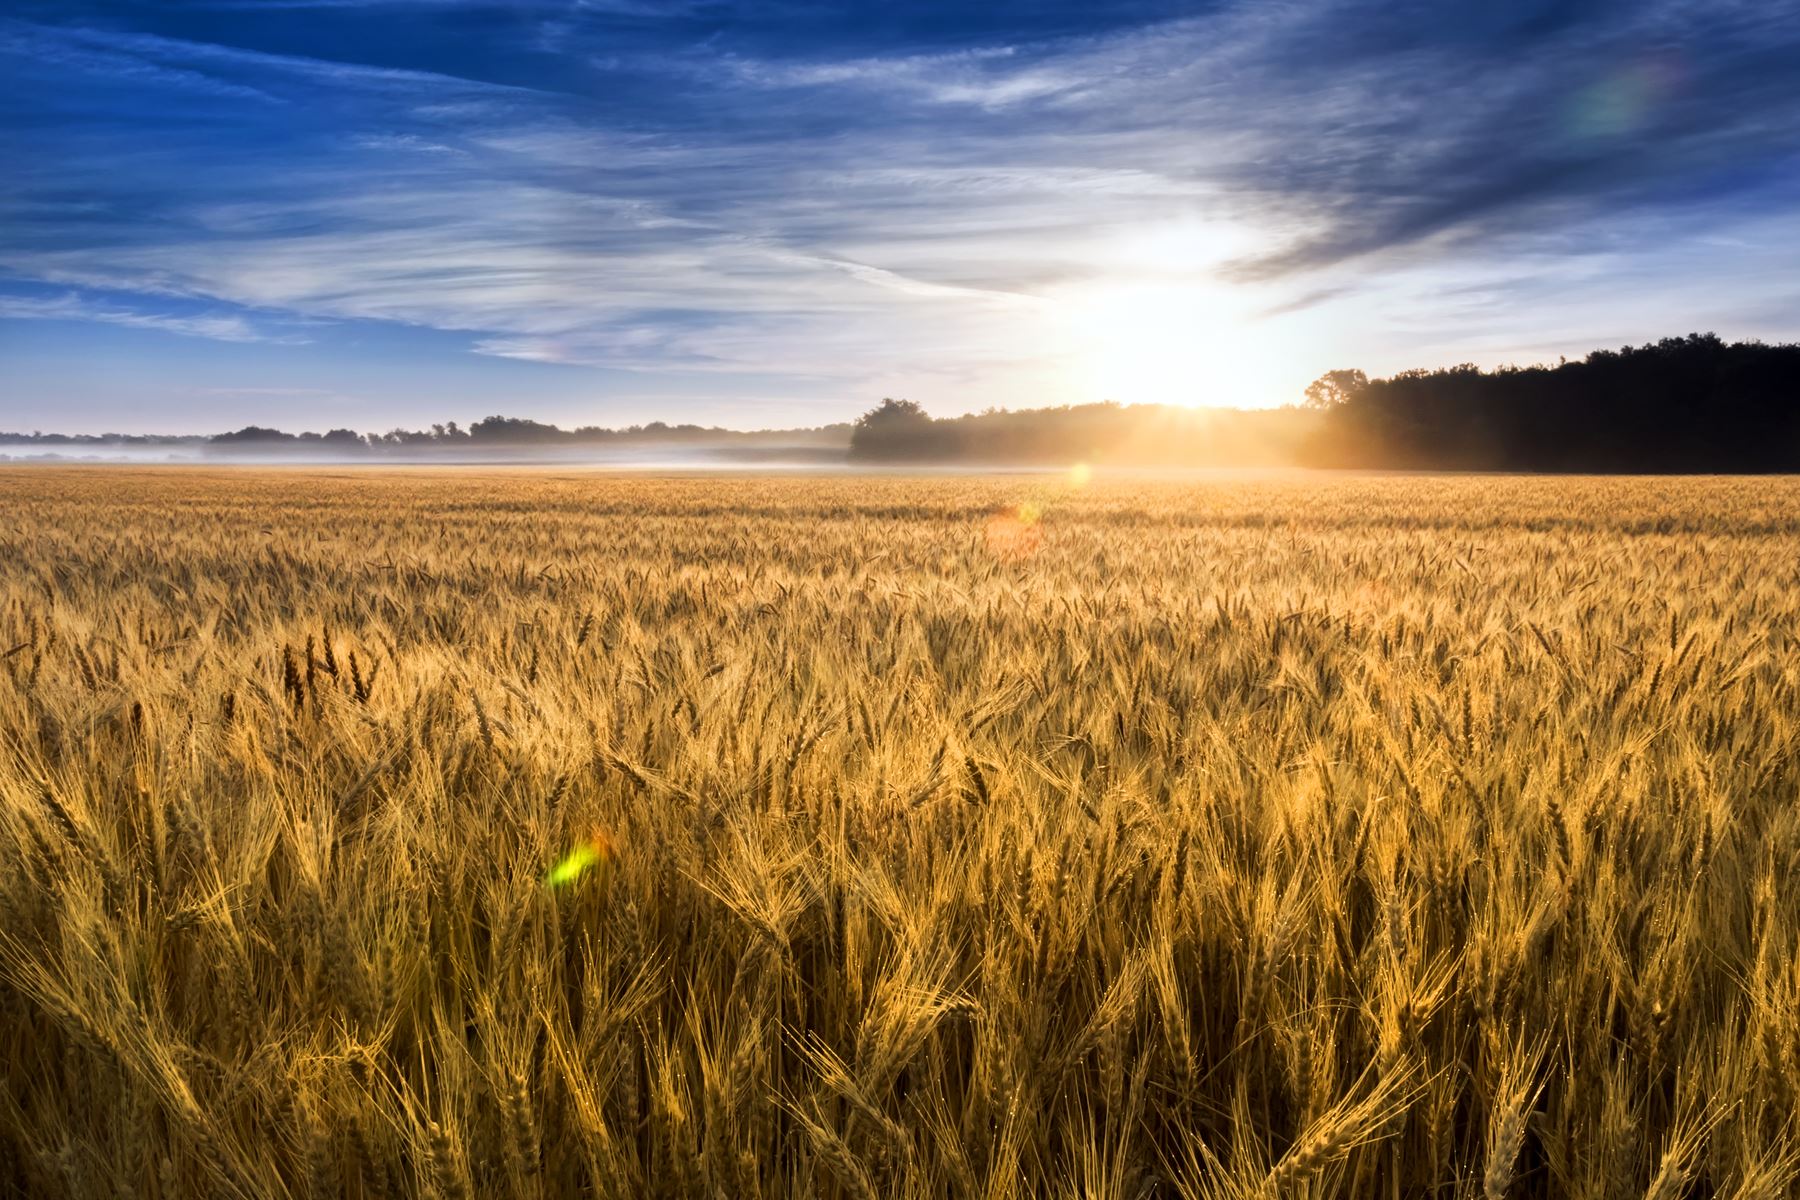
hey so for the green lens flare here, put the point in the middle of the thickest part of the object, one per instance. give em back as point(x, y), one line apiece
point(570, 868)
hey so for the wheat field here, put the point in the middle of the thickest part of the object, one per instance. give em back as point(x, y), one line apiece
point(492, 834)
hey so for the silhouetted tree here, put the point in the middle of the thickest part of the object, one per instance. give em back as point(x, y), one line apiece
point(895, 430)
point(251, 434)
point(513, 429)
point(1334, 388)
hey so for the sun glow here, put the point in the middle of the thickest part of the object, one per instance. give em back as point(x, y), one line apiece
point(1164, 343)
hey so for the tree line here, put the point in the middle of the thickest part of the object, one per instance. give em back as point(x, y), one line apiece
point(1683, 404)
point(900, 431)
point(1693, 403)
point(505, 432)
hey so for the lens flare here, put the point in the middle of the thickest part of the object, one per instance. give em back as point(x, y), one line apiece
point(1622, 101)
point(1017, 532)
point(597, 850)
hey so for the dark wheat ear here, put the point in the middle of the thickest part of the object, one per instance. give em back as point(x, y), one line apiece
point(361, 685)
point(978, 783)
point(292, 682)
point(481, 722)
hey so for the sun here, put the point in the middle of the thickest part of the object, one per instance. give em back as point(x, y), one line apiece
point(1170, 343)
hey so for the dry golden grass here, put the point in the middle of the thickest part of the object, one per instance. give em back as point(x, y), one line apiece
point(1331, 837)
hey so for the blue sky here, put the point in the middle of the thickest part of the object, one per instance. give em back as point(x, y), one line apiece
point(329, 212)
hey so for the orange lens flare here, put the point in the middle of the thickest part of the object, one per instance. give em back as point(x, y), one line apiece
point(1015, 533)
point(1018, 532)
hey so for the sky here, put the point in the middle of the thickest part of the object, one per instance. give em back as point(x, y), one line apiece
point(771, 213)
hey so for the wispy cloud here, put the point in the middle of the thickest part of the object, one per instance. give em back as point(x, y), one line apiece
point(179, 61)
point(73, 307)
point(990, 78)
